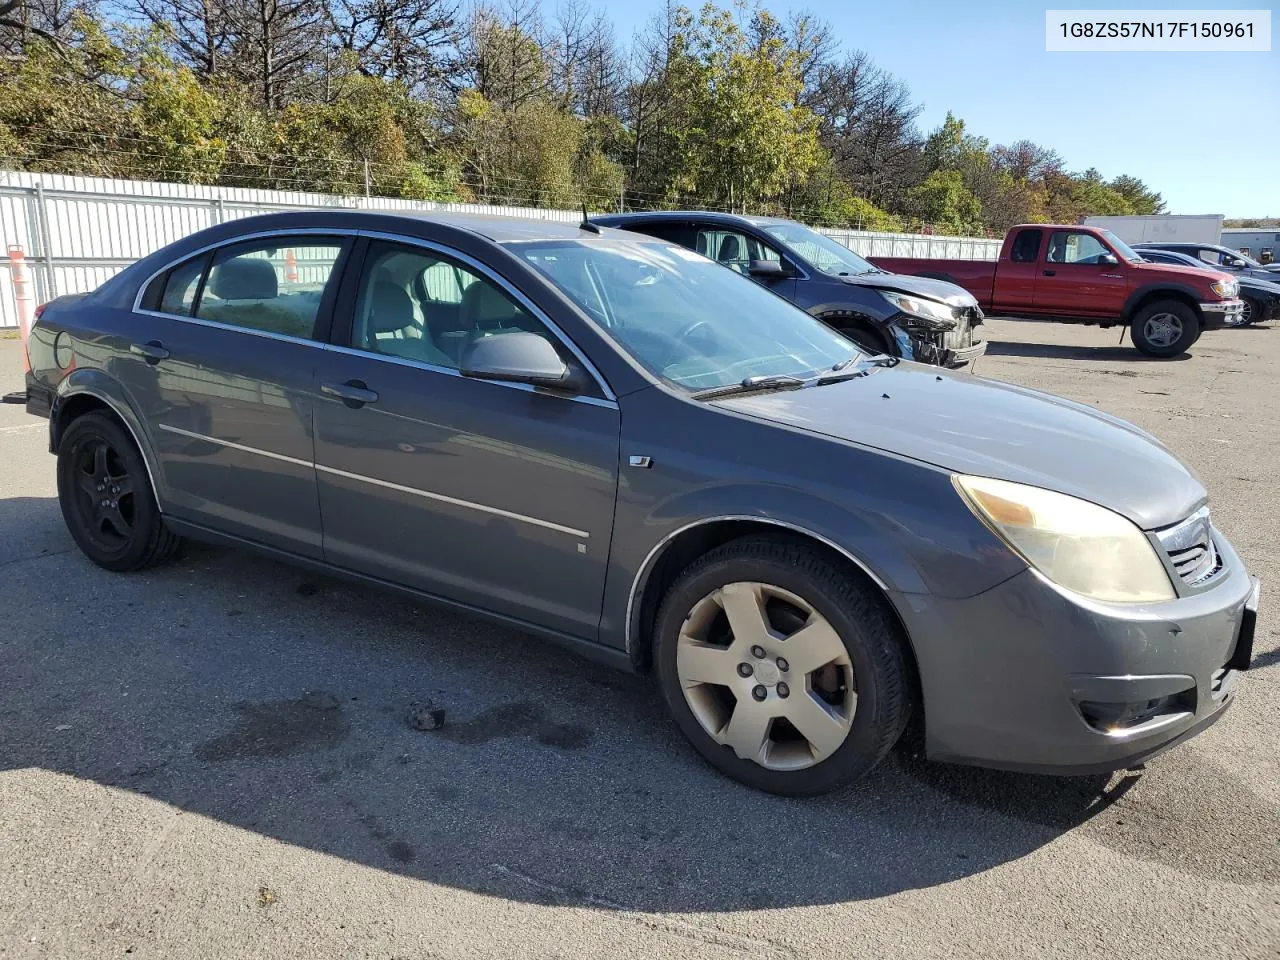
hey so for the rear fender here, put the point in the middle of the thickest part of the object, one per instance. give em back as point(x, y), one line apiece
point(87, 382)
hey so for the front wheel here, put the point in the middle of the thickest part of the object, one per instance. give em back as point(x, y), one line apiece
point(106, 497)
point(1166, 328)
point(781, 669)
point(1252, 311)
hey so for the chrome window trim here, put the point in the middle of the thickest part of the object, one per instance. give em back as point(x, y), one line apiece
point(610, 398)
point(642, 575)
point(218, 325)
point(488, 273)
point(455, 372)
point(232, 241)
point(426, 494)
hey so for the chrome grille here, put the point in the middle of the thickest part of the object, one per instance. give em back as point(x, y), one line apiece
point(1190, 548)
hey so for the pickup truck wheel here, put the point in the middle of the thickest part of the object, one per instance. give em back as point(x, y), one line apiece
point(782, 670)
point(1165, 329)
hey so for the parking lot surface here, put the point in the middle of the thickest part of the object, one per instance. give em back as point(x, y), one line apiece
point(211, 759)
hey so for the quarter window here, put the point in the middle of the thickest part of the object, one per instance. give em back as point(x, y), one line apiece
point(417, 305)
point(181, 286)
point(1026, 246)
point(273, 285)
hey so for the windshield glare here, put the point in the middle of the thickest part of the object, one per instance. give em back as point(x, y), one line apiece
point(1122, 248)
point(683, 317)
point(825, 254)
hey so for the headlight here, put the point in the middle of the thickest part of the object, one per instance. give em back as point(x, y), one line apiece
point(1078, 545)
point(1226, 288)
point(936, 316)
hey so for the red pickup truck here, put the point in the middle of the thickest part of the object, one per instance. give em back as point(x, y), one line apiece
point(1076, 274)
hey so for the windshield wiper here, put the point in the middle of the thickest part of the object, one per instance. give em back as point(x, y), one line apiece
point(751, 384)
point(840, 372)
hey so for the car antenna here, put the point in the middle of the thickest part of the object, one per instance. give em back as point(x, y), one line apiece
point(586, 223)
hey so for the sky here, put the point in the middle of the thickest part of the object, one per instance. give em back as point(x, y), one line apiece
point(1203, 129)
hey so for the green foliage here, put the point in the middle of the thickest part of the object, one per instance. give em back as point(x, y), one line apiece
point(724, 107)
point(944, 200)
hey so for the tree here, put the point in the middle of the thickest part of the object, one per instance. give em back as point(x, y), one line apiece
point(274, 43)
point(1141, 199)
point(866, 122)
point(197, 33)
point(412, 42)
point(944, 201)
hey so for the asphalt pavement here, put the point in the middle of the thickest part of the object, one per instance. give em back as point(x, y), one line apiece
point(211, 759)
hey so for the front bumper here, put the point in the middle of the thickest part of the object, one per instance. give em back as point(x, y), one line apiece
point(1028, 677)
point(1221, 313)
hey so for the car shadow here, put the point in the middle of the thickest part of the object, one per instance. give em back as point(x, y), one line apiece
point(1063, 351)
point(249, 692)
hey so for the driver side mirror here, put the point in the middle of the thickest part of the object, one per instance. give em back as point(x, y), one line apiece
point(767, 270)
point(517, 357)
point(1107, 260)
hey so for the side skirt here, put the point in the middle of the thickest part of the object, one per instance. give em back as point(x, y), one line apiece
point(608, 656)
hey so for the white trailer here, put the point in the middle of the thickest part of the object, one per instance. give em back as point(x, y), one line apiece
point(1165, 227)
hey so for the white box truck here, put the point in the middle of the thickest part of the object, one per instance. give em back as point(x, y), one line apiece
point(1165, 228)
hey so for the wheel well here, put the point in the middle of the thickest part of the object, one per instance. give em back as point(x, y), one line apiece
point(689, 545)
point(1155, 295)
point(69, 409)
point(843, 320)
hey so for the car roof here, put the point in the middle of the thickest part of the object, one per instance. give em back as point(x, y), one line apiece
point(504, 229)
point(496, 228)
point(1179, 245)
point(710, 216)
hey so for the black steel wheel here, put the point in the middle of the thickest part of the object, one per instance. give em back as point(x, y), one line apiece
point(106, 497)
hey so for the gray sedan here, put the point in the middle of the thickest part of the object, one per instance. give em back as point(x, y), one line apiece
point(609, 440)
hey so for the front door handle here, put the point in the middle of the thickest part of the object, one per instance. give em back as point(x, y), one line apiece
point(354, 393)
point(1051, 273)
point(152, 351)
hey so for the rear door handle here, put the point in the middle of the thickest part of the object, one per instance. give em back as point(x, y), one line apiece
point(1051, 273)
point(354, 393)
point(152, 351)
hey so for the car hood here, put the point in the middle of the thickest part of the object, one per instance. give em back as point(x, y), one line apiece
point(940, 290)
point(966, 424)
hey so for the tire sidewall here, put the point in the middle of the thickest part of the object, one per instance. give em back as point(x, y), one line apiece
point(95, 426)
point(1256, 311)
point(1190, 329)
point(861, 748)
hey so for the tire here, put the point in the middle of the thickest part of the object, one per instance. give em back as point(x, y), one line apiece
point(1253, 312)
point(1166, 328)
point(849, 711)
point(106, 497)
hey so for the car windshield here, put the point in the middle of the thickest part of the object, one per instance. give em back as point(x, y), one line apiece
point(685, 318)
point(825, 254)
point(1122, 248)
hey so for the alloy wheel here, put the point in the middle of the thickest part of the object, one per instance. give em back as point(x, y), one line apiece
point(1246, 313)
point(1162, 329)
point(104, 494)
point(766, 675)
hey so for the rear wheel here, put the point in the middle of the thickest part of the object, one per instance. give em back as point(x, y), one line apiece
point(106, 496)
point(780, 668)
point(1166, 328)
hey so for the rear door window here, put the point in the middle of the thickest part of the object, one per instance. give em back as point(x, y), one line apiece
point(274, 285)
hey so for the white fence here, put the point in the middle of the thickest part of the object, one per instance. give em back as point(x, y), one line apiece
point(76, 232)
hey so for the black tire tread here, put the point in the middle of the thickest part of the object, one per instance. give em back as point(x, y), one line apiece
point(162, 544)
point(1190, 328)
